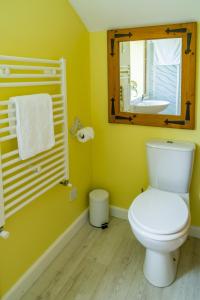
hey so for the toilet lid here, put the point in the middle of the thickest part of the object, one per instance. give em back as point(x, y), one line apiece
point(159, 212)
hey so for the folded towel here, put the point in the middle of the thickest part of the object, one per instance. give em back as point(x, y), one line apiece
point(34, 124)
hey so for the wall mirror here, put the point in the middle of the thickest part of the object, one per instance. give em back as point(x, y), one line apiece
point(152, 75)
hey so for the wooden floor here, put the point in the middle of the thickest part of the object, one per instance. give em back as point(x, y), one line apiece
point(107, 265)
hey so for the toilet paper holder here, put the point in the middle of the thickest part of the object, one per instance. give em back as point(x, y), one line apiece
point(83, 134)
point(76, 126)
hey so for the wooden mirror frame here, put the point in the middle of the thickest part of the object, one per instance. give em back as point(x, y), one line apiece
point(185, 31)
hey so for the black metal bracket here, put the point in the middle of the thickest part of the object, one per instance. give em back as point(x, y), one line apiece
point(123, 118)
point(113, 106)
point(187, 114)
point(119, 35)
point(189, 38)
point(181, 122)
point(112, 41)
point(182, 30)
point(176, 30)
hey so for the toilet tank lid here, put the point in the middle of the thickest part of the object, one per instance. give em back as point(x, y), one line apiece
point(171, 145)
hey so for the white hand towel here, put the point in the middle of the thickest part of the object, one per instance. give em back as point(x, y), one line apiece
point(167, 51)
point(34, 124)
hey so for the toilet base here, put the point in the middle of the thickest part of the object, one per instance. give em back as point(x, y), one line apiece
point(160, 268)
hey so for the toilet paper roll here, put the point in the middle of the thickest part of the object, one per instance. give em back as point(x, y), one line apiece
point(85, 134)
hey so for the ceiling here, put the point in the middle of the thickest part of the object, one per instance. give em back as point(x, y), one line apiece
point(107, 14)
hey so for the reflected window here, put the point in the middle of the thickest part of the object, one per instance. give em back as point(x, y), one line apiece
point(151, 70)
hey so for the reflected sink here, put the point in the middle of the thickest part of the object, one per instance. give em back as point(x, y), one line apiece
point(150, 106)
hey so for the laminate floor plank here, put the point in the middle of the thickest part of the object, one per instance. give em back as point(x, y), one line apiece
point(99, 255)
point(108, 265)
point(78, 249)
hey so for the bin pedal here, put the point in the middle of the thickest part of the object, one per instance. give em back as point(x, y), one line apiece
point(104, 225)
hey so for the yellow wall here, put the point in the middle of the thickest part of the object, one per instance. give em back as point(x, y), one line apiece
point(47, 29)
point(118, 157)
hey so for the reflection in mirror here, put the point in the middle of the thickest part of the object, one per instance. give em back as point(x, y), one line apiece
point(150, 76)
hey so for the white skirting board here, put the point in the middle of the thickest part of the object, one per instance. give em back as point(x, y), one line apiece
point(118, 212)
point(33, 273)
point(122, 213)
point(195, 231)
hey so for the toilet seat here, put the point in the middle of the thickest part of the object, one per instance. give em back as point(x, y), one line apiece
point(159, 237)
point(155, 212)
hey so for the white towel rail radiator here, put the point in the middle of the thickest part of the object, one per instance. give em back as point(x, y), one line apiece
point(23, 181)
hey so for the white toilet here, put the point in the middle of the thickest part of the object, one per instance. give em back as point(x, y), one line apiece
point(160, 216)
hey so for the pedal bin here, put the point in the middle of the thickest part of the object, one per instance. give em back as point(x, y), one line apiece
point(99, 208)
